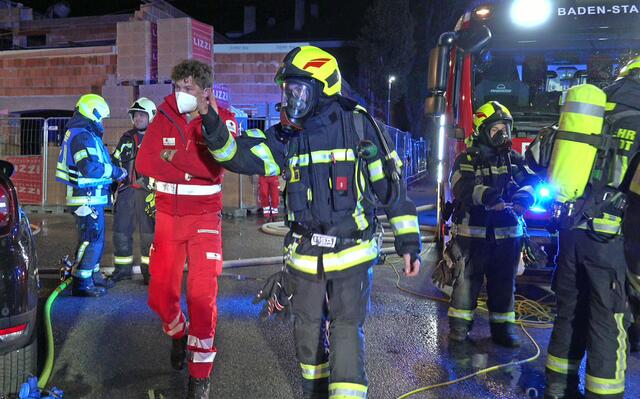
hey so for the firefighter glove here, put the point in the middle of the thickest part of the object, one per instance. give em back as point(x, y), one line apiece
point(276, 295)
point(150, 204)
point(450, 267)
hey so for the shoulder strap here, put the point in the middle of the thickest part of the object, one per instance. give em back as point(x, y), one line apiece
point(358, 118)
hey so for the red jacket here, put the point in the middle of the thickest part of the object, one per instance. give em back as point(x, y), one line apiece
point(191, 165)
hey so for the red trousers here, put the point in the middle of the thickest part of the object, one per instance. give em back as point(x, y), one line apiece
point(269, 193)
point(196, 239)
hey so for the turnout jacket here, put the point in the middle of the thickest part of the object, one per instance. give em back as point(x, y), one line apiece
point(84, 164)
point(124, 156)
point(320, 165)
point(481, 178)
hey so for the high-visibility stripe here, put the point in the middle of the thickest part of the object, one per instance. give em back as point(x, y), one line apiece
point(176, 326)
point(94, 151)
point(227, 151)
point(607, 224)
point(347, 390)
point(494, 170)
point(356, 255)
point(116, 154)
point(144, 260)
point(610, 106)
point(88, 200)
point(255, 133)
point(621, 351)
point(123, 260)
point(205, 343)
point(187, 189)
point(460, 313)
point(82, 273)
point(455, 178)
point(376, 173)
point(324, 156)
point(470, 231)
point(395, 157)
point(508, 232)
point(263, 152)
point(583, 108)
point(80, 155)
point(358, 214)
point(202, 357)
point(478, 191)
point(563, 366)
point(303, 263)
point(508, 317)
point(634, 186)
point(466, 167)
point(108, 170)
point(604, 386)
point(406, 224)
point(315, 372)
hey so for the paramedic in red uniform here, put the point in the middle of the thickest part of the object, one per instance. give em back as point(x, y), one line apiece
point(188, 227)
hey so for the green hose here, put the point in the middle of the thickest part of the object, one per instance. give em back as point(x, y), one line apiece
point(48, 364)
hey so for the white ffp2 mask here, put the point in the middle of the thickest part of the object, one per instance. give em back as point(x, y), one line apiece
point(186, 102)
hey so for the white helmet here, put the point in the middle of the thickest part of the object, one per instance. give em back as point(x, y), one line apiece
point(143, 104)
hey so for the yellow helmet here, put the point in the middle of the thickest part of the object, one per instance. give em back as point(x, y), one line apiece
point(633, 66)
point(311, 62)
point(489, 113)
point(93, 107)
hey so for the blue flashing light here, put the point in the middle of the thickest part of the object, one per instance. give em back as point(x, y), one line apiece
point(544, 198)
point(537, 209)
point(544, 192)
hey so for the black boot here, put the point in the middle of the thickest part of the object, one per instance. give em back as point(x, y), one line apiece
point(504, 334)
point(179, 353)
point(561, 386)
point(459, 329)
point(84, 287)
point(144, 269)
point(122, 273)
point(101, 281)
point(198, 388)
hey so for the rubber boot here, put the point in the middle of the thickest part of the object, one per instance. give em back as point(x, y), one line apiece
point(122, 273)
point(84, 287)
point(504, 334)
point(198, 388)
point(562, 386)
point(459, 329)
point(146, 276)
point(179, 353)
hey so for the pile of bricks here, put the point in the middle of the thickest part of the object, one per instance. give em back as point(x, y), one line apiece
point(180, 39)
point(137, 51)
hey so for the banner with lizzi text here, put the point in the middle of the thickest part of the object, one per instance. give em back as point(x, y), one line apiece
point(27, 178)
point(202, 42)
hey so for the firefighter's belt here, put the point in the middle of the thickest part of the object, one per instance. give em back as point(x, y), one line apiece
point(330, 241)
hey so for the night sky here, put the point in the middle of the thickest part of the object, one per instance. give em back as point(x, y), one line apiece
point(338, 19)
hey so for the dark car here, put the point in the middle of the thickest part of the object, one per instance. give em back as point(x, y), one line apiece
point(19, 284)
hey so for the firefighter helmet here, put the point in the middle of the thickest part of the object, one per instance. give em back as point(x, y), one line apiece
point(93, 107)
point(311, 62)
point(631, 68)
point(143, 104)
point(486, 117)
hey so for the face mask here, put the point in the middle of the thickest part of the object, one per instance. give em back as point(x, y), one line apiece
point(501, 138)
point(299, 99)
point(186, 102)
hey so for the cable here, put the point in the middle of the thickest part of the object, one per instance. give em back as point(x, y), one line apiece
point(48, 365)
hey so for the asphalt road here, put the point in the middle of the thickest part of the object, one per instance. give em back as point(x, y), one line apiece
point(113, 347)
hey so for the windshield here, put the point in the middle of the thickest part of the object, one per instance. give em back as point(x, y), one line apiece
point(532, 85)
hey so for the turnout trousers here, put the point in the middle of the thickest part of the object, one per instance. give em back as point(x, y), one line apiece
point(129, 213)
point(329, 336)
point(90, 242)
point(196, 240)
point(592, 317)
point(498, 261)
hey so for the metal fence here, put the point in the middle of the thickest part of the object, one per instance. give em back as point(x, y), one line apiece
point(26, 143)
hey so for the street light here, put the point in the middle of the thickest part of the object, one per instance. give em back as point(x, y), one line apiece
point(391, 80)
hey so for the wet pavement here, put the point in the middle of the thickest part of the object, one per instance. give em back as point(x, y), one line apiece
point(113, 347)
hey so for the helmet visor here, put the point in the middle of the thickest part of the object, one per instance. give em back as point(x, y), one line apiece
point(298, 98)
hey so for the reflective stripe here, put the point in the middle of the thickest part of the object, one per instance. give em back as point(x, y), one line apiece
point(634, 187)
point(607, 224)
point(187, 189)
point(256, 133)
point(72, 200)
point(376, 172)
point(347, 390)
point(227, 151)
point(176, 326)
point(563, 366)
point(494, 170)
point(324, 156)
point(478, 191)
point(407, 224)
point(202, 357)
point(116, 154)
point(80, 155)
point(123, 260)
point(508, 232)
point(508, 317)
point(144, 260)
point(303, 263)
point(621, 352)
point(610, 106)
point(395, 157)
point(263, 152)
point(312, 372)
point(529, 190)
point(470, 231)
point(80, 253)
point(96, 268)
point(356, 255)
point(583, 108)
point(206, 343)
point(108, 171)
point(358, 214)
point(94, 152)
point(455, 178)
point(460, 314)
point(466, 167)
point(604, 386)
point(82, 273)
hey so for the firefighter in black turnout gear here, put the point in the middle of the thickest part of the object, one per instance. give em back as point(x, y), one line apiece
point(333, 161)
point(589, 282)
point(488, 231)
point(135, 198)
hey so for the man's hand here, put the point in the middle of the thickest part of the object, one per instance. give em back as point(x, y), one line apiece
point(167, 155)
point(411, 269)
point(204, 101)
point(498, 207)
